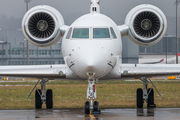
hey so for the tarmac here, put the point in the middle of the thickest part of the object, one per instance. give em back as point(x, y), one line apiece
point(106, 114)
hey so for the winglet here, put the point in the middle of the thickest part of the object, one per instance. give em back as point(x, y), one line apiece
point(179, 54)
point(161, 60)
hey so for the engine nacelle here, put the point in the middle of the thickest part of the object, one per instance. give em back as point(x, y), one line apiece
point(147, 25)
point(41, 25)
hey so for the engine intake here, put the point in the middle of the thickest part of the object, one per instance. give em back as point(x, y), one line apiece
point(41, 26)
point(147, 25)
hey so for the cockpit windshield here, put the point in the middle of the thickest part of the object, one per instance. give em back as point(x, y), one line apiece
point(81, 33)
point(86, 33)
point(113, 33)
point(101, 33)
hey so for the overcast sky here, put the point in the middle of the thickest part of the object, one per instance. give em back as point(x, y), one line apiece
point(72, 9)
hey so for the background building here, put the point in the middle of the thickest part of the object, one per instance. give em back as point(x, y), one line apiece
point(130, 52)
point(166, 46)
point(13, 51)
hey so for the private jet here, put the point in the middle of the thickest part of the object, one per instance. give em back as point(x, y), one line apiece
point(92, 50)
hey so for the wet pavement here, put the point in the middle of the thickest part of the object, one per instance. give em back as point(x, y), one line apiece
point(106, 114)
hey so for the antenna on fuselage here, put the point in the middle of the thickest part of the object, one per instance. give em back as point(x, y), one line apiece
point(95, 6)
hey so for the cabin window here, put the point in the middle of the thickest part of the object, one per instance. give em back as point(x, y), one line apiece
point(113, 33)
point(69, 34)
point(101, 33)
point(81, 33)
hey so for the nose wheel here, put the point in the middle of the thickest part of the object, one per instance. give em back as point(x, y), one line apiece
point(95, 108)
point(87, 107)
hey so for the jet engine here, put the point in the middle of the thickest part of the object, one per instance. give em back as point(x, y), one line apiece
point(41, 26)
point(147, 25)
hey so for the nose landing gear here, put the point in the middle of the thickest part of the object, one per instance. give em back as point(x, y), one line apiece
point(91, 95)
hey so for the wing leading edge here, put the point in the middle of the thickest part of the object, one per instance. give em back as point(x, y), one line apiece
point(136, 71)
point(127, 71)
point(38, 71)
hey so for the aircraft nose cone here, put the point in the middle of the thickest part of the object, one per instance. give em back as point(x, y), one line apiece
point(82, 69)
point(95, 64)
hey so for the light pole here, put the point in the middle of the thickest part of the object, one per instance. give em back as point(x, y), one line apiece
point(23, 53)
point(176, 3)
point(50, 55)
point(37, 51)
point(166, 46)
point(3, 42)
point(9, 51)
point(27, 1)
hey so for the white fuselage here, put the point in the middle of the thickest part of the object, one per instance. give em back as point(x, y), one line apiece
point(92, 55)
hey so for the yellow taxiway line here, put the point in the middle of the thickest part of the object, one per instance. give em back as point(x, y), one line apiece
point(92, 116)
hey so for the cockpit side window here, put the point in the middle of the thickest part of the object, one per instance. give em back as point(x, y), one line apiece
point(81, 33)
point(113, 33)
point(69, 34)
point(101, 33)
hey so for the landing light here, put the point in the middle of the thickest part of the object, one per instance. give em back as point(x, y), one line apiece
point(61, 73)
point(90, 73)
point(125, 72)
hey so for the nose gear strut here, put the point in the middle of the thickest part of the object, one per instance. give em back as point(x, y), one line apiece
point(91, 95)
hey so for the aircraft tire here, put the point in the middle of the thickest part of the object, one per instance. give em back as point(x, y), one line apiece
point(49, 99)
point(150, 97)
point(38, 102)
point(139, 98)
point(87, 107)
point(96, 106)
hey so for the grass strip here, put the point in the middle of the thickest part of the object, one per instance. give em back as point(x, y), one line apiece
point(110, 94)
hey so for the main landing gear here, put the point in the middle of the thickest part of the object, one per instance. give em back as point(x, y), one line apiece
point(91, 106)
point(43, 96)
point(146, 94)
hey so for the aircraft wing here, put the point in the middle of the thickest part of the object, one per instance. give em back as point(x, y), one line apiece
point(136, 71)
point(38, 71)
point(62, 72)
